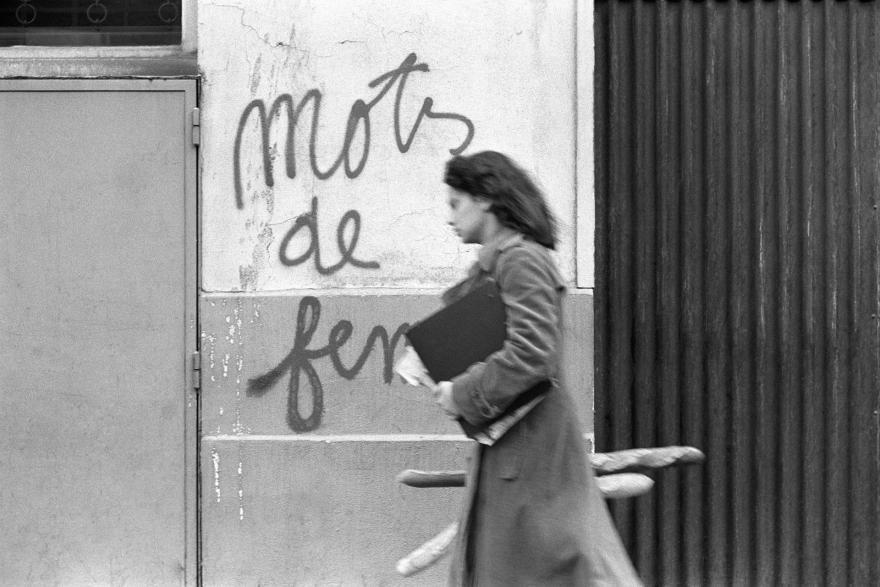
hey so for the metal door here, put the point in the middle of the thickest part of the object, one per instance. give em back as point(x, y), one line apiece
point(97, 325)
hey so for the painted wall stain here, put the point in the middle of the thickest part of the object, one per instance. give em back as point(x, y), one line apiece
point(227, 361)
point(215, 459)
point(240, 492)
point(255, 75)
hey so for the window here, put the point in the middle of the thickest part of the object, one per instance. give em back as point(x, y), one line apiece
point(90, 22)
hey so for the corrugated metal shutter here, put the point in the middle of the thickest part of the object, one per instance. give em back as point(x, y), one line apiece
point(737, 251)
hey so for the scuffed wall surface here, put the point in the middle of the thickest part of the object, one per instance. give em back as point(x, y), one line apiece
point(320, 513)
point(284, 481)
point(325, 127)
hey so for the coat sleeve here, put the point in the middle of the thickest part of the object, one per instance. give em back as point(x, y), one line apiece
point(529, 289)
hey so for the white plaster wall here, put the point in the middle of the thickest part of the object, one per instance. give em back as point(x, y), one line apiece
point(508, 67)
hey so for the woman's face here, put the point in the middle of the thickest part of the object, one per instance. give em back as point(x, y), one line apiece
point(468, 215)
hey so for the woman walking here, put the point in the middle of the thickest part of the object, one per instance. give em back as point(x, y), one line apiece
point(533, 514)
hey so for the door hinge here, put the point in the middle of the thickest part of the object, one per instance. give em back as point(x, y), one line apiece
point(196, 363)
point(196, 126)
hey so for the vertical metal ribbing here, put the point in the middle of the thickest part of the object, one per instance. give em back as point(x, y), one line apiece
point(692, 344)
point(871, 207)
point(766, 271)
point(858, 407)
point(668, 137)
point(621, 222)
point(738, 173)
point(871, 372)
point(864, 91)
point(814, 284)
point(837, 205)
point(644, 261)
point(602, 403)
point(789, 301)
point(742, 295)
point(716, 269)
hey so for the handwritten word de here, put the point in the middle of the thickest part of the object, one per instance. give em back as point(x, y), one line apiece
point(309, 221)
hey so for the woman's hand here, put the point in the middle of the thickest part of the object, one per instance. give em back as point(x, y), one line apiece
point(443, 398)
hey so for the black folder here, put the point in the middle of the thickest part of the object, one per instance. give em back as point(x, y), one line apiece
point(466, 331)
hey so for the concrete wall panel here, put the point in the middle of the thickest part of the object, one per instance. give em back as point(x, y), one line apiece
point(246, 338)
point(300, 512)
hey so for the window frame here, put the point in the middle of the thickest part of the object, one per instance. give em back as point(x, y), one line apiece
point(188, 44)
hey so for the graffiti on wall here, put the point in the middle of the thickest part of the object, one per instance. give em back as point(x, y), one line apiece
point(359, 117)
point(309, 221)
point(299, 362)
point(358, 120)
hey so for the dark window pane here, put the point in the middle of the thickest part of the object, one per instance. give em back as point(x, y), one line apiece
point(90, 22)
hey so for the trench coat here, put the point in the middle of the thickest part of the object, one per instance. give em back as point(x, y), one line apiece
point(533, 514)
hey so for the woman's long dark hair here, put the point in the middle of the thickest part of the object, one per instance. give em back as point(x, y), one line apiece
point(516, 200)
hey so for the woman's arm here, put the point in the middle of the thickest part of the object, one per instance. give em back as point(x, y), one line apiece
point(530, 290)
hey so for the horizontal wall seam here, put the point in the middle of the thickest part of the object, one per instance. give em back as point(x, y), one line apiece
point(338, 437)
point(347, 437)
point(352, 292)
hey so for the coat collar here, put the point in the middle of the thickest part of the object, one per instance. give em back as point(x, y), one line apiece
point(487, 257)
